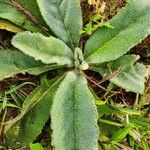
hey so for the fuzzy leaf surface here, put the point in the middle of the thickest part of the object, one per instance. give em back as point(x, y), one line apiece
point(34, 115)
point(13, 62)
point(125, 74)
point(47, 49)
point(130, 26)
point(11, 13)
point(74, 121)
point(64, 18)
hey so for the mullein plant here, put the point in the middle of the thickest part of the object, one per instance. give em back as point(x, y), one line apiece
point(67, 99)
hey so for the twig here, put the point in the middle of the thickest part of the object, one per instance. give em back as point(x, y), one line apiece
point(98, 85)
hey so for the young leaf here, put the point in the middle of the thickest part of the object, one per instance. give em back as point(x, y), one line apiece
point(47, 49)
point(10, 12)
point(128, 76)
point(130, 26)
point(64, 18)
point(34, 115)
point(74, 115)
point(13, 62)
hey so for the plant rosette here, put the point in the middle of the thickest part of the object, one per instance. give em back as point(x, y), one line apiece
point(67, 99)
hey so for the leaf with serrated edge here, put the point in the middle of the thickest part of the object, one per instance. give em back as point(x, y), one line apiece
point(74, 115)
point(128, 76)
point(49, 50)
point(64, 18)
point(13, 62)
point(130, 26)
point(133, 79)
point(34, 115)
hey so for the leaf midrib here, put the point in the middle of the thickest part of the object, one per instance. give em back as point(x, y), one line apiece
point(132, 23)
point(32, 68)
point(29, 108)
point(75, 116)
point(67, 31)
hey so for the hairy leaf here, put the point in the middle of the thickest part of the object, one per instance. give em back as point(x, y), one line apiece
point(34, 115)
point(125, 74)
point(64, 18)
point(47, 49)
point(4, 24)
point(130, 26)
point(74, 115)
point(10, 12)
point(13, 62)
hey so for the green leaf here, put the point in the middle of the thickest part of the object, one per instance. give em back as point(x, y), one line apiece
point(8, 105)
point(11, 13)
point(5, 1)
point(4, 104)
point(125, 74)
point(145, 144)
point(34, 115)
point(73, 115)
point(110, 122)
point(104, 110)
point(47, 49)
point(121, 134)
point(130, 26)
point(32, 7)
point(36, 146)
point(13, 62)
point(140, 122)
point(64, 18)
point(128, 111)
point(132, 79)
point(4, 24)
